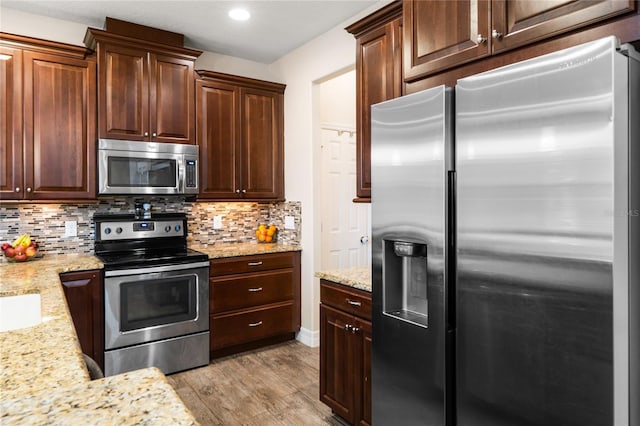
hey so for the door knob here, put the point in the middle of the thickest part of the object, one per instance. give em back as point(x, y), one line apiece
point(364, 239)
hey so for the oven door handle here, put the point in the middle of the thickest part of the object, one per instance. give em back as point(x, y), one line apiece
point(165, 268)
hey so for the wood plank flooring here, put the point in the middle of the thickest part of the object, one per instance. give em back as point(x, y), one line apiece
point(277, 385)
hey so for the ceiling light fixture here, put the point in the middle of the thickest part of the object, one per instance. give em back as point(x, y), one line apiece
point(239, 14)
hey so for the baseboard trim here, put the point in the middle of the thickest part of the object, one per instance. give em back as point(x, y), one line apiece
point(308, 337)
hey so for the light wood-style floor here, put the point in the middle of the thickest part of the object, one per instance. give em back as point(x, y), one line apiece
point(277, 385)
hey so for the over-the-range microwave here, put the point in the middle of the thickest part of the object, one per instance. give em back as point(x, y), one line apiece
point(146, 168)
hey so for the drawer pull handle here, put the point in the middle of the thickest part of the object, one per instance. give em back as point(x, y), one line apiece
point(255, 263)
point(353, 302)
point(255, 324)
point(253, 290)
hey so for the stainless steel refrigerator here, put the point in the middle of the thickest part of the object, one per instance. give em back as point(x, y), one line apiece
point(506, 246)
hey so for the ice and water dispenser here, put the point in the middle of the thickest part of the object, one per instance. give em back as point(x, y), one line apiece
point(405, 281)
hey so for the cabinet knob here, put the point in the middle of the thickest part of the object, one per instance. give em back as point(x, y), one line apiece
point(237, 191)
point(146, 133)
point(355, 330)
point(154, 134)
point(353, 302)
point(480, 39)
point(28, 189)
point(348, 327)
point(17, 189)
point(255, 324)
point(495, 34)
point(244, 191)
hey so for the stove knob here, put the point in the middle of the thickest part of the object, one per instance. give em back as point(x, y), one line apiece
point(178, 228)
point(167, 228)
point(118, 230)
point(107, 230)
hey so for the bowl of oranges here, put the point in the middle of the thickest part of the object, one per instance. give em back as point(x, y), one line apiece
point(266, 233)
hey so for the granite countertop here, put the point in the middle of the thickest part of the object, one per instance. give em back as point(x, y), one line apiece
point(221, 250)
point(357, 277)
point(43, 378)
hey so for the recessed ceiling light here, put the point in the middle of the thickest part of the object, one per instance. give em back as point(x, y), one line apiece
point(239, 14)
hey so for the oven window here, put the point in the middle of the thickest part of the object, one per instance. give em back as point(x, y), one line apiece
point(127, 172)
point(157, 302)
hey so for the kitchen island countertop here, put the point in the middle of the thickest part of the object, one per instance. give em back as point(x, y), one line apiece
point(43, 377)
point(357, 277)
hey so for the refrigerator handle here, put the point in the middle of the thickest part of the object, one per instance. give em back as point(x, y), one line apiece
point(450, 300)
point(450, 271)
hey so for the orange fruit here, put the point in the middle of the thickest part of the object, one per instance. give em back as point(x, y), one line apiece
point(261, 237)
point(270, 232)
point(268, 239)
point(272, 228)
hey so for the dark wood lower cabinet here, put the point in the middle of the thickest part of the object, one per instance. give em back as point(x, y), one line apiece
point(84, 293)
point(253, 301)
point(345, 352)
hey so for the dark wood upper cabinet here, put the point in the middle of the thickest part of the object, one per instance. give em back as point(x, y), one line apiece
point(49, 133)
point(145, 88)
point(378, 78)
point(11, 174)
point(517, 23)
point(239, 128)
point(439, 35)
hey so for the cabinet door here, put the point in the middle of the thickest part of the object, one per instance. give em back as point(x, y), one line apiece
point(171, 99)
point(378, 64)
point(83, 291)
point(11, 172)
point(365, 411)
point(123, 93)
point(521, 22)
point(441, 34)
point(217, 127)
point(339, 362)
point(59, 127)
point(261, 136)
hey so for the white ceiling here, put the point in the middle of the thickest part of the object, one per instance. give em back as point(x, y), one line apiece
point(276, 27)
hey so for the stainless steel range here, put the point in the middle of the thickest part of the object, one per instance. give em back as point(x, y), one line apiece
point(156, 293)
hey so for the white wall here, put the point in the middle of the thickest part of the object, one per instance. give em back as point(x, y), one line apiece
point(322, 58)
point(338, 101)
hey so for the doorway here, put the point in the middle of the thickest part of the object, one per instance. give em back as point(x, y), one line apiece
point(345, 225)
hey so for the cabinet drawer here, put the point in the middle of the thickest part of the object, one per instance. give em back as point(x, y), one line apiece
point(246, 326)
point(230, 293)
point(353, 301)
point(244, 264)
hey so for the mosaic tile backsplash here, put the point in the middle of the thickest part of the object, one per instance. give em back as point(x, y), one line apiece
point(46, 222)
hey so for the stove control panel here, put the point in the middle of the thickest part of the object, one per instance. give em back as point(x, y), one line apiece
point(140, 229)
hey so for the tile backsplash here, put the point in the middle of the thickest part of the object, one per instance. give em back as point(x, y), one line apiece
point(46, 222)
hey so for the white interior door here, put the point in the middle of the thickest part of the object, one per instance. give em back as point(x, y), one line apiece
point(345, 224)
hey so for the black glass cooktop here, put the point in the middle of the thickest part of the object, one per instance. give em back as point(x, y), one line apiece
point(121, 260)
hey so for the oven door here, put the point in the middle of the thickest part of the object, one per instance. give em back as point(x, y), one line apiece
point(148, 304)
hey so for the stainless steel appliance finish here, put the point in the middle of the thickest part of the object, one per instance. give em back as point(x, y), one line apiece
point(535, 294)
point(411, 155)
point(147, 168)
point(152, 310)
point(156, 294)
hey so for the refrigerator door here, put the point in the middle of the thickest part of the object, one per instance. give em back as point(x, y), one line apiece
point(535, 174)
point(411, 153)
